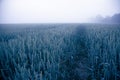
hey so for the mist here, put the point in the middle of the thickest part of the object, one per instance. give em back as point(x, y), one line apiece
point(55, 11)
point(59, 39)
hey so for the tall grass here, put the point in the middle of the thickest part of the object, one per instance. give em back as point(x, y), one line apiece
point(36, 53)
point(61, 52)
point(103, 45)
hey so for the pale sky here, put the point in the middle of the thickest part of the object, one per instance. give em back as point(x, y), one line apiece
point(55, 11)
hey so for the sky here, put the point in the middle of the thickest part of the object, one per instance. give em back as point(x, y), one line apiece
point(55, 11)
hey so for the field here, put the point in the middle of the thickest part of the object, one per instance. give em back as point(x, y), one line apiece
point(60, 52)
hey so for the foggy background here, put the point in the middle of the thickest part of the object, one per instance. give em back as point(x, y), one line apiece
point(58, 11)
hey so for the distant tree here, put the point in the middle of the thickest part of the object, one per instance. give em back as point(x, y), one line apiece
point(109, 19)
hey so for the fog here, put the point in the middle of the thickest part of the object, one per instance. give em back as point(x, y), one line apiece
point(55, 11)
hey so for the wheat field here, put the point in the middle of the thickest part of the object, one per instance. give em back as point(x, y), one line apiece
point(60, 52)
